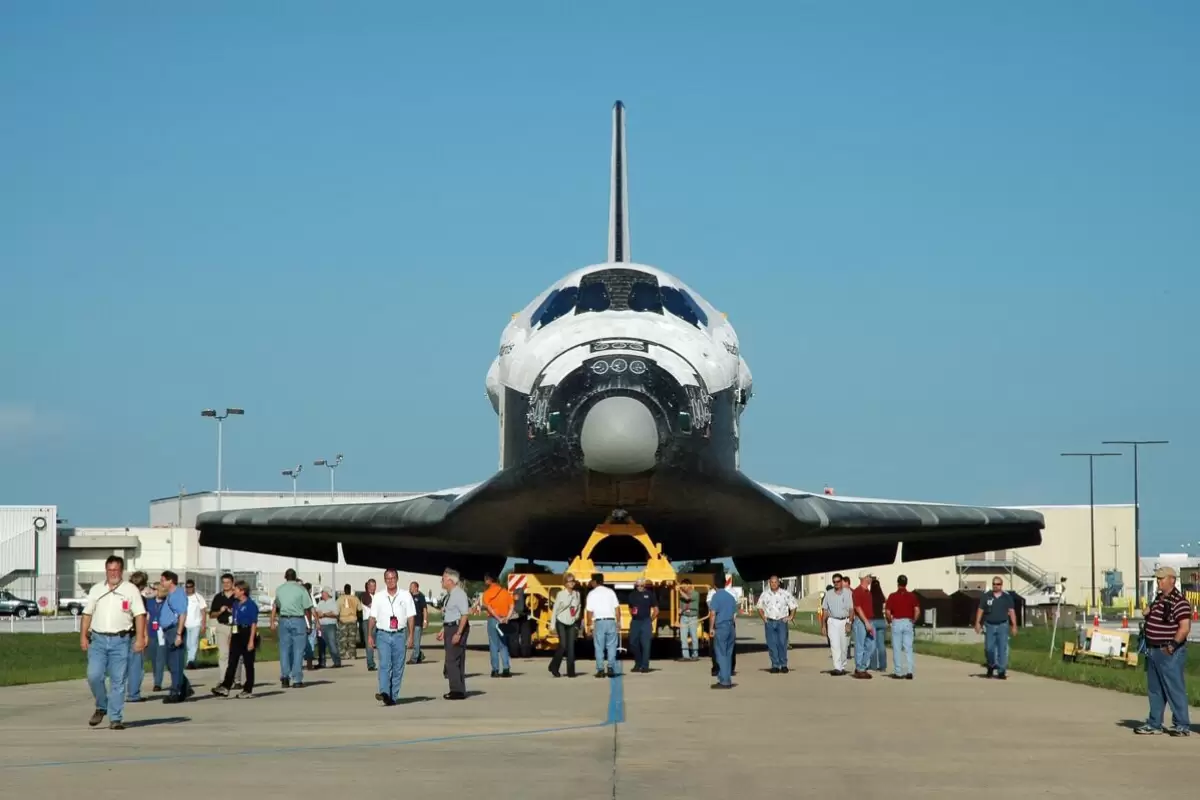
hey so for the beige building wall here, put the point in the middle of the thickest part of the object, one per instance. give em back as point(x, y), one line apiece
point(1065, 551)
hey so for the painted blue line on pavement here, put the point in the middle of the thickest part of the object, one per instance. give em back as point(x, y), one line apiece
point(616, 715)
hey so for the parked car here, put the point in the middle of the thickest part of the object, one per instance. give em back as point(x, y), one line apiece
point(73, 605)
point(10, 604)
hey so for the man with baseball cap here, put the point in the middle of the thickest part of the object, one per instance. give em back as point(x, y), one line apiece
point(1164, 636)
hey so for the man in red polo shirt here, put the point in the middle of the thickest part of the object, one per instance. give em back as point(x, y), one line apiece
point(902, 611)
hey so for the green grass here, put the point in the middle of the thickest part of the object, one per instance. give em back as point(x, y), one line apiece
point(1029, 652)
point(45, 657)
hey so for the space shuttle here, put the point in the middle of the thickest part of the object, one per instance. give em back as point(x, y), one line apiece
point(620, 391)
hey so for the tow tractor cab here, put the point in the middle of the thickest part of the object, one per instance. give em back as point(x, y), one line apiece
point(542, 587)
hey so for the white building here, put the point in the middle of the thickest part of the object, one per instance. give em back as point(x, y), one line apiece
point(28, 539)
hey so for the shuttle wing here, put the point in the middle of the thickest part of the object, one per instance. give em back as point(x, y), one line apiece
point(851, 532)
point(371, 534)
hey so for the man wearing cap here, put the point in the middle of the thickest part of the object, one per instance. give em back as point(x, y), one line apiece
point(643, 613)
point(1164, 636)
point(997, 613)
point(902, 611)
point(864, 629)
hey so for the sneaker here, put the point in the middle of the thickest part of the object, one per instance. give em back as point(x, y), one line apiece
point(220, 691)
point(116, 726)
point(1180, 732)
point(243, 694)
point(97, 717)
point(1147, 730)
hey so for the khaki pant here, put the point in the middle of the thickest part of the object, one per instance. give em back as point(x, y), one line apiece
point(223, 634)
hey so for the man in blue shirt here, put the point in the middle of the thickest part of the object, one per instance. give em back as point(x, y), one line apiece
point(722, 610)
point(172, 621)
point(243, 641)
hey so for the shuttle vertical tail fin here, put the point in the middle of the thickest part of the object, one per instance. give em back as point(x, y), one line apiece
point(618, 209)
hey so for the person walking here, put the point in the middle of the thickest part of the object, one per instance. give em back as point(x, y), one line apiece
point(566, 618)
point(349, 610)
point(172, 621)
point(603, 622)
point(838, 608)
point(113, 613)
point(997, 613)
point(243, 642)
point(290, 615)
point(420, 621)
point(137, 667)
point(391, 633)
point(498, 603)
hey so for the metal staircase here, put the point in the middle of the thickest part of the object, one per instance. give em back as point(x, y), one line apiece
point(1037, 580)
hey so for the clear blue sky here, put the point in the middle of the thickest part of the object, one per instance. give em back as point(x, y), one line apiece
point(955, 242)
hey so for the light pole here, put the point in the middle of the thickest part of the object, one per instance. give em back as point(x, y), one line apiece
point(1091, 457)
point(321, 462)
point(1137, 514)
point(220, 418)
point(293, 474)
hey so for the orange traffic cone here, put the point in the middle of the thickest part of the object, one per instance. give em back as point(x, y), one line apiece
point(1124, 619)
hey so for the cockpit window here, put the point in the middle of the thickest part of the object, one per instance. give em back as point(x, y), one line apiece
point(560, 302)
point(681, 304)
point(593, 296)
point(643, 296)
point(618, 290)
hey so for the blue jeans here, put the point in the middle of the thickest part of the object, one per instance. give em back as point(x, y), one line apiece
point(416, 650)
point(391, 645)
point(777, 642)
point(175, 661)
point(497, 647)
point(689, 639)
point(1164, 684)
point(604, 638)
point(879, 654)
point(723, 642)
point(864, 646)
point(108, 657)
point(902, 647)
point(293, 638)
point(329, 643)
point(362, 625)
point(192, 637)
point(995, 644)
point(134, 672)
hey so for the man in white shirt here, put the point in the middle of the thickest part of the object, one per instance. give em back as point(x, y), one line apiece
point(195, 621)
point(113, 613)
point(391, 633)
point(604, 622)
point(776, 607)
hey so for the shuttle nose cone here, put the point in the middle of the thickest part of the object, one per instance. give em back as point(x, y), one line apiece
point(619, 437)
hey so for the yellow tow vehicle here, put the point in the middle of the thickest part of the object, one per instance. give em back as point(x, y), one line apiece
point(542, 587)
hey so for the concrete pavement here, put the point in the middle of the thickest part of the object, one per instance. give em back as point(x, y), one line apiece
point(658, 735)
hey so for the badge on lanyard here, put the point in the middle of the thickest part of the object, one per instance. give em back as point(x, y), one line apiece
point(233, 629)
point(124, 604)
point(395, 623)
point(154, 625)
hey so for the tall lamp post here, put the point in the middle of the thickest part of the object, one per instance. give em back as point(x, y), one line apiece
point(293, 474)
point(220, 418)
point(1091, 457)
point(1137, 514)
point(321, 462)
